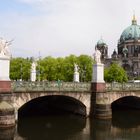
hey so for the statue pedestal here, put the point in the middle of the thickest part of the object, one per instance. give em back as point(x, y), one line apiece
point(33, 76)
point(33, 72)
point(98, 83)
point(76, 76)
point(5, 83)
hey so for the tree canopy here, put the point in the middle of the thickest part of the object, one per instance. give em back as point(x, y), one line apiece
point(115, 73)
point(52, 69)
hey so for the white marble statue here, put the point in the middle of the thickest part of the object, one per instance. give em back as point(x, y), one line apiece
point(33, 67)
point(97, 56)
point(76, 73)
point(75, 67)
point(4, 47)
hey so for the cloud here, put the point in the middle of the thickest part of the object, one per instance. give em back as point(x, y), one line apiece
point(63, 27)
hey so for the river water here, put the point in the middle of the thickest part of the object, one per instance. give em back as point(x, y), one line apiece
point(125, 125)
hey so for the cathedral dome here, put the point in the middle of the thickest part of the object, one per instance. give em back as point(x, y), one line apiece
point(101, 42)
point(132, 32)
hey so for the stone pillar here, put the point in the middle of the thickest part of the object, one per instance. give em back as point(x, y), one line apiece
point(33, 72)
point(5, 83)
point(101, 109)
point(98, 83)
point(76, 76)
point(7, 115)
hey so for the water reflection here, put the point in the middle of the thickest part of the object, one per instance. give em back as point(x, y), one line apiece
point(100, 129)
point(51, 128)
point(126, 119)
point(125, 125)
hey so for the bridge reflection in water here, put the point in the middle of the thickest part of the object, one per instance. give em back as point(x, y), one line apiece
point(125, 125)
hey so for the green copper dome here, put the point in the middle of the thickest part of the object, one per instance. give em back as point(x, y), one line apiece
point(101, 42)
point(132, 32)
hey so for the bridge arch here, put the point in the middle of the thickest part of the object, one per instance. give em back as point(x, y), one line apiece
point(52, 104)
point(130, 102)
point(19, 99)
point(105, 101)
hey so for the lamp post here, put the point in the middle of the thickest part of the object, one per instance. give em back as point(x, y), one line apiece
point(39, 67)
point(21, 72)
point(83, 74)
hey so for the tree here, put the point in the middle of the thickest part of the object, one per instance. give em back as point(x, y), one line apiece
point(47, 68)
point(85, 63)
point(115, 73)
point(20, 69)
point(52, 69)
point(68, 68)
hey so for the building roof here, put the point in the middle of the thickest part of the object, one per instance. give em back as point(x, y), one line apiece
point(132, 32)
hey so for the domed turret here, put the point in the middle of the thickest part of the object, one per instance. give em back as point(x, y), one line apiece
point(114, 55)
point(101, 45)
point(101, 42)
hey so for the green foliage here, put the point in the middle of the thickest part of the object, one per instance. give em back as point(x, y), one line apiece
point(47, 68)
point(115, 73)
point(52, 69)
point(85, 63)
point(20, 68)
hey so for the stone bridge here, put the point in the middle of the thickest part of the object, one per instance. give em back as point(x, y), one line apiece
point(78, 98)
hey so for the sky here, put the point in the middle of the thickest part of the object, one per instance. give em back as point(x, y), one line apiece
point(59, 28)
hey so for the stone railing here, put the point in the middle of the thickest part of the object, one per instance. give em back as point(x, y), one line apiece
point(18, 86)
point(122, 86)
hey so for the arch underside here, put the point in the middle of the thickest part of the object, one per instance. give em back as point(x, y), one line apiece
point(124, 109)
point(52, 105)
point(127, 102)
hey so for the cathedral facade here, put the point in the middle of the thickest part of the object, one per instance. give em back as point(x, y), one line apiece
point(128, 50)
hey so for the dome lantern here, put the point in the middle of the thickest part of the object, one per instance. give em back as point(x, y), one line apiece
point(134, 21)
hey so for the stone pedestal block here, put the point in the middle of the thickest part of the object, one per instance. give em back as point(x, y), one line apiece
point(5, 83)
point(4, 68)
point(98, 73)
point(97, 87)
point(33, 72)
point(33, 76)
point(5, 86)
point(98, 83)
point(76, 76)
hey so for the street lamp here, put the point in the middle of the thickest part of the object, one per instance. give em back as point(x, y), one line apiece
point(83, 74)
point(21, 72)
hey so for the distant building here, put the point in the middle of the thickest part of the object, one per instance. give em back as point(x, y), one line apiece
point(128, 50)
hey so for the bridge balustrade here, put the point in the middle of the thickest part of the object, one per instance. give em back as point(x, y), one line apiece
point(122, 86)
point(22, 86)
